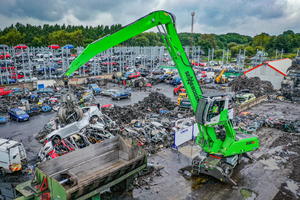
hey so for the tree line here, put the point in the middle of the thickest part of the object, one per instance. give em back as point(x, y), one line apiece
point(45, 35)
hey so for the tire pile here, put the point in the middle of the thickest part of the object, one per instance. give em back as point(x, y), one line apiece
point(254, 84)
point(153, 103)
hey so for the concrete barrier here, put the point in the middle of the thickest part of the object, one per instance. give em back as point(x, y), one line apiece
point(30, 85)
point(250, 104)
point(52, 82)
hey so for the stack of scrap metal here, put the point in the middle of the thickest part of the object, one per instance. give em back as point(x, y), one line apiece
point(254, 84)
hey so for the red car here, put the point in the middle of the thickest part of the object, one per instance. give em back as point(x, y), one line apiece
point(4, 91)
point(134, 75)
point(21, 46)
point(111, 63)
point(53, 46)
point(198, 64)
point(179, 89)
point(9, 68)
point(2, 55)
point(20, 75)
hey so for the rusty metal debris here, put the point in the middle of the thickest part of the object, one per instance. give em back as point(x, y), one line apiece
point(254, 84)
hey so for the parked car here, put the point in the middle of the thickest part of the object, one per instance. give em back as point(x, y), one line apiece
point(4, 47)
point(45, 54)
point(64, 54)
point(27, 79)
point(121, 95)
point(69, 46)
point(18, 114)
point(53, 46)
point(95, 73)
point(108, 92)
point(134, 75)
point(42, 71)
point(244, 98)
point(10, 80)
point(45, 91)
point(13, 156)
point(23, 55)
point(4, 55)
point(176, 80)
point(21, 46)
point(4, 91)
point(95, 88)
point(208, 79)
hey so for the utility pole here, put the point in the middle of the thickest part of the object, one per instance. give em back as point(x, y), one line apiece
point(192, 14)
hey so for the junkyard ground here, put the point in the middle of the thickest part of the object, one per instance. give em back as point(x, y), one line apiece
point(274, 173)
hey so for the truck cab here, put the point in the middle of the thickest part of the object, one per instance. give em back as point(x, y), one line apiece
point(180, 97)
point(95, 88)
point(13, 156)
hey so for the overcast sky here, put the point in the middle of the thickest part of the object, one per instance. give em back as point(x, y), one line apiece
point(247, 17)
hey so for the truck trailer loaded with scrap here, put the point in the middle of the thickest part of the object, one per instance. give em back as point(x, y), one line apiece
point(85, 173)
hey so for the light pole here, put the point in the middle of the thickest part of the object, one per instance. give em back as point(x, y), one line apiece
point(192, 14)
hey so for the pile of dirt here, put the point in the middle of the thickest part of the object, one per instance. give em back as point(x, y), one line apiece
point(254, 84)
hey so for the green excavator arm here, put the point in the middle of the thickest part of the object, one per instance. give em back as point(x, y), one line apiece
point(228, 147)
point(170, 38)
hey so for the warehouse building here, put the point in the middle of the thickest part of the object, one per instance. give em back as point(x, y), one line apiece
point(273, 71)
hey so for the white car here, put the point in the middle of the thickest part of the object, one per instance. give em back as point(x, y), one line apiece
point(27, 79)
point(44, 55)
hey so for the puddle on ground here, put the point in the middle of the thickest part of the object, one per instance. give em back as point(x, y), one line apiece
point(197, 182)
point(248, 195)
point(292, 186)
point(270, 164)
point(190, 151)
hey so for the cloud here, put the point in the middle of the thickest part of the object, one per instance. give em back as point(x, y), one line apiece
point(248, 17)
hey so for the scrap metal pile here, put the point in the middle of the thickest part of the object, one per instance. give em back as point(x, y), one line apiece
point(153, 103)
point(290, 86)
point(254, 84)
point(32, 104)
point(150, 123)
point(250, 122)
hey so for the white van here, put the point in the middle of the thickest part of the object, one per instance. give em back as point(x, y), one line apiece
point(12, 156)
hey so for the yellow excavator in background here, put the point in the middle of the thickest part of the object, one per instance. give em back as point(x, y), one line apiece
point(221, 79)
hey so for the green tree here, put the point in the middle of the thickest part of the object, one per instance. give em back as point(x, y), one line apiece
point(235, 50)
point(12, 38)
point(218, 53)
point(141, 41)
point(220, 44)
point(211, 38)
point(205, 45)
point(231, 44)
point(261, 40)
point(249, 51)
point(259, 48)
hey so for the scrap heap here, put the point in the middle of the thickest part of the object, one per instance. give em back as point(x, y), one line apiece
point(254, 84)
point(153, 103)
point(290, 86)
